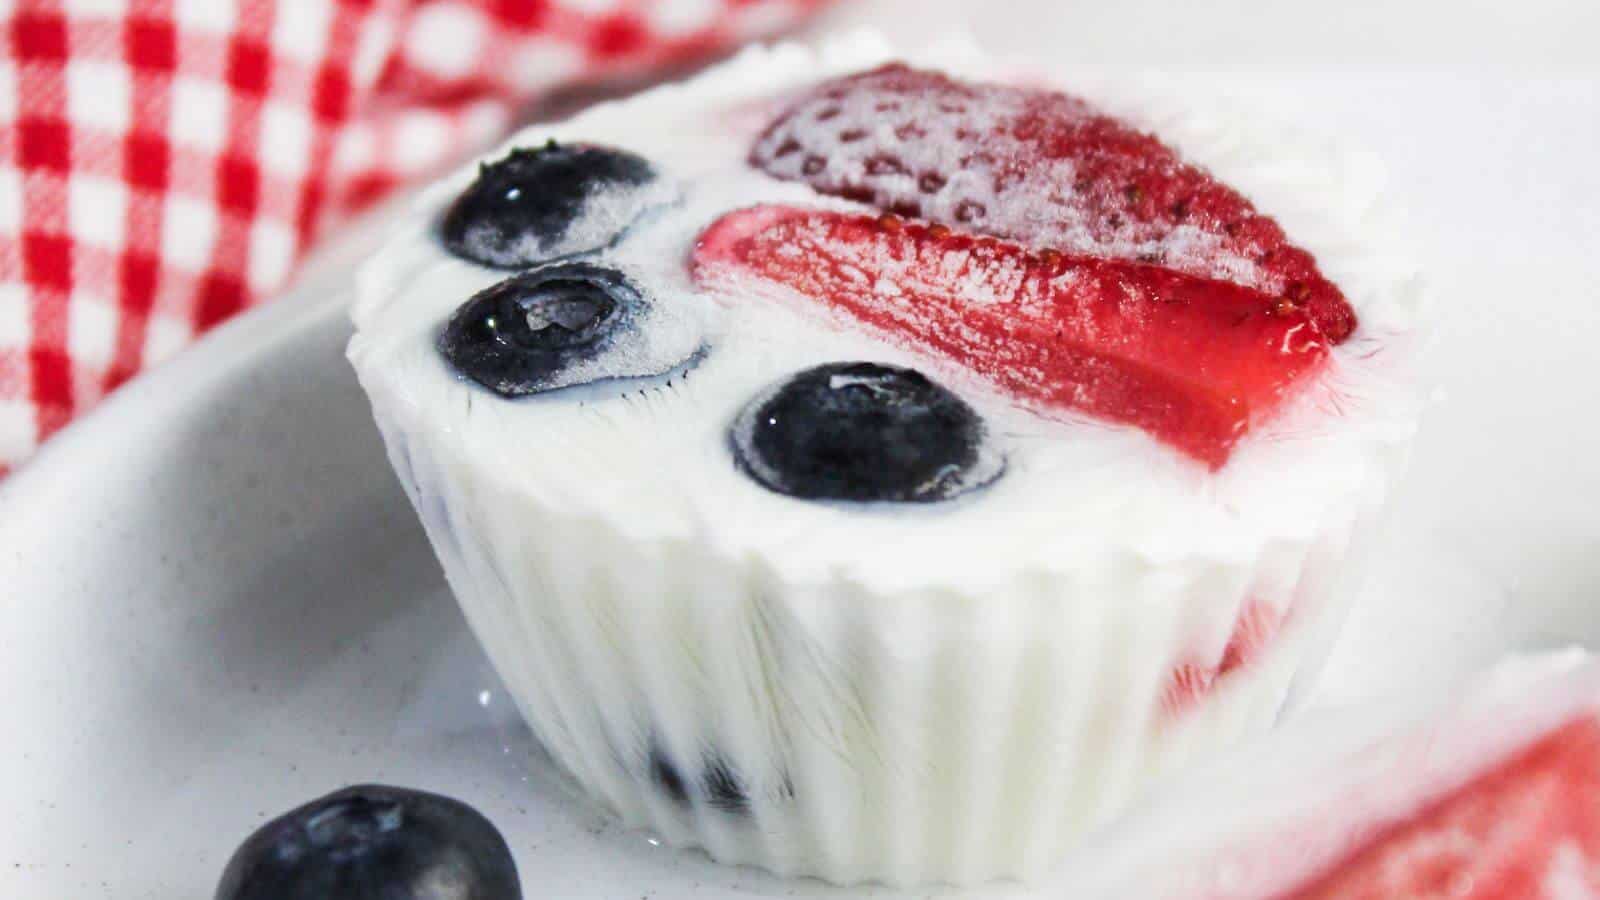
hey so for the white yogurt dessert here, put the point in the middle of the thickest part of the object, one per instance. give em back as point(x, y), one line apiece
point(883, 472)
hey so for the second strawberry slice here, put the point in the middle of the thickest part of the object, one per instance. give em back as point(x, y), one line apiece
point(1039, 167)
point(1191, 361)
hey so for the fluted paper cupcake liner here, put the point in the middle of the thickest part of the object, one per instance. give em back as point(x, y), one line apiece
point(833, 730)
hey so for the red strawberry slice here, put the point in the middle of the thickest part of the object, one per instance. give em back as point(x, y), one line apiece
point(1039, 167)
point(1257, 626)
point(1193, 362)
point(1185, 686)
point(1526, 830)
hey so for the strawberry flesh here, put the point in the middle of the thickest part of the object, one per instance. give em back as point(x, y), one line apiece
point(1039, 167)
point(1528, 829)
point(1189, 682)
point(1191, 361)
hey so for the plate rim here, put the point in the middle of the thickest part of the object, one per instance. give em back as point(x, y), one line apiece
point(321, 287)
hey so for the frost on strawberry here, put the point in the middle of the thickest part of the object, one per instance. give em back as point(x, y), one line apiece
point(1193, 362)
point(1039, 167)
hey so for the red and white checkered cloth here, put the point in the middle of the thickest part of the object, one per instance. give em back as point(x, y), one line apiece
point(165, 163)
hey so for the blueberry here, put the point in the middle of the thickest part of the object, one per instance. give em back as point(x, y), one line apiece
point(667, 777)
point(528, 333)
point(863, 431)
point(723, 788)
point(719, 785)
point(539, 203)
point(374, 843)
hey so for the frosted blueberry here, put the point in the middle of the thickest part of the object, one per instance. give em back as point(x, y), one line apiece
point(372, 842)
point(555, 200)
point(863, 431)
point(522, 335)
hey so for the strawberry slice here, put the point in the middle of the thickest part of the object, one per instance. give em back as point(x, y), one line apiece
point(1191, 361)
point(1528, 829)
point(1040, 167)
point(1252, 633)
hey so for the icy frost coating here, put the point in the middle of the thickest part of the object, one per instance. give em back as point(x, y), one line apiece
point(540, 203)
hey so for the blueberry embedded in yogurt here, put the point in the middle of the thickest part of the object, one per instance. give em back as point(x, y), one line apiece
point(724, 788)
point(537, 204)
point(864, 431)
point(717, 786)
point(561, 325)
point(372, 842)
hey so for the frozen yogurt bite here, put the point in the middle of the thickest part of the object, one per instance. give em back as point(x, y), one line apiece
point(884, 467)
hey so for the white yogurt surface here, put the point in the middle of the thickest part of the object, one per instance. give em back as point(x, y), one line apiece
point(651, 455)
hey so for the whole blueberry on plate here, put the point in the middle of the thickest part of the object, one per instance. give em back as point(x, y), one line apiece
point(539, 203)
point(536, 331)
point(372, 842)
point(864, 431)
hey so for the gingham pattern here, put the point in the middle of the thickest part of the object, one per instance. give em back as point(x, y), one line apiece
point(165, 163)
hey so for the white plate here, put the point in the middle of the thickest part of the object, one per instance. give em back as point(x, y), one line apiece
point(215, 603)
